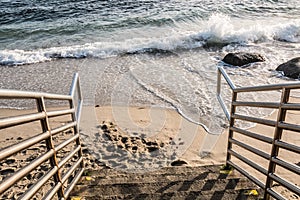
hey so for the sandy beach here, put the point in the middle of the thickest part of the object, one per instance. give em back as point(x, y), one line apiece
point(139, 139)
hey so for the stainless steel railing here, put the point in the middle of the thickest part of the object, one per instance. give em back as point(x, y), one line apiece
point(64, 180)
point(280, 127)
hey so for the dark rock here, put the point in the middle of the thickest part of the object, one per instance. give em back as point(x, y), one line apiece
point(104, 127)
point(19, 138)
point(151, 149)
point(10, 161)
point(31, 158)
point(151, 143)
point(290, 68)
point(124, 139)
point(134, 148)
point(179, 163)
point(85, 151)
point(240, 59)
point(39, 175)
point(6, 171)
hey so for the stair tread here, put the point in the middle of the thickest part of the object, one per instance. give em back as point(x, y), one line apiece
point(213, 195)
point(165, 183)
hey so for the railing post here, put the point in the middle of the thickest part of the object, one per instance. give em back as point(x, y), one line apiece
point(232, 120)
point(277, 136)
point(76, 116)
point(49, 143)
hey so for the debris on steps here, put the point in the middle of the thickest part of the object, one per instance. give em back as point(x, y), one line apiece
point(206, 182)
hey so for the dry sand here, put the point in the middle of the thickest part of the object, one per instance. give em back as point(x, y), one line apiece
point(145, 138)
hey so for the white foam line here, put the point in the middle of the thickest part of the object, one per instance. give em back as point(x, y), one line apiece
point(171, 102)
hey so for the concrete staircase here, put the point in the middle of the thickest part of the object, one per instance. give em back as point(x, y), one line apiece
point(208, 182)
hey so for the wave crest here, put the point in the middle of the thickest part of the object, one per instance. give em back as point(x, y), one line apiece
point(218, 31)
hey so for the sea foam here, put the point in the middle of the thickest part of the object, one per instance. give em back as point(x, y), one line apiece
point(218, 30)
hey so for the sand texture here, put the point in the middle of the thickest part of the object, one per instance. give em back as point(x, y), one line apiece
point(140, 139)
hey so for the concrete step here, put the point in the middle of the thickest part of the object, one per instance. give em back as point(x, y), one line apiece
point(166, 183)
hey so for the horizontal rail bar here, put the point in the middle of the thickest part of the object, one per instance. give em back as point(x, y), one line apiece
point(245, 173)
point(275, 194)
point(33, 190)
point(66, 142)
point(255, 120)
point(68, 157)
point(257, 88)
point(249, 162)
point(291, 167)
point(8, 182)
point(252, 135)
point(16, 94)
point(291, 106)
point(287, 146)
point(57, 113)
point(256, 104)
point(268, 87)
point(249, 148)
point(21, 119)
point(288, 126)
point(63, 128)
point(73, 183)
point(8, 151)
point(50, 194)
point(71, 170)
point(285, 183)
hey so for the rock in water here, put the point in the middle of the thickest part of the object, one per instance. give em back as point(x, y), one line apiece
point(240, 59)
point(290, 68)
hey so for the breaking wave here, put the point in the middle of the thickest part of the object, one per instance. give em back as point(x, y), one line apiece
point(217, 31)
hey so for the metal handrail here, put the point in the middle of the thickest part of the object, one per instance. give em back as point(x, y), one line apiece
point(43, 115)
point(276, 143)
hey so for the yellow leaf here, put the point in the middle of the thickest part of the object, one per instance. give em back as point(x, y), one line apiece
point(225, 169)
point(251, 193)
point(88, 178)
point(75, 198)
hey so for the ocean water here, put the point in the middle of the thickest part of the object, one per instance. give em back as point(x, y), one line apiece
point(155, 52)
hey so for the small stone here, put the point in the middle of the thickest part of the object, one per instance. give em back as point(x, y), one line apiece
point(179, 163)
point(10, 161)
point(124, 139)
point(134, 148)
point(39, 175)
point(151, 149)
point(85, 151)
point(19, 138)
point(104, 127)
point(7, 171)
